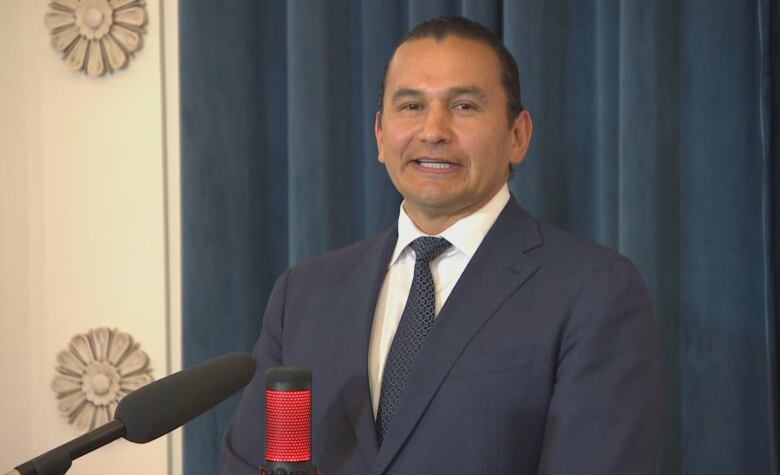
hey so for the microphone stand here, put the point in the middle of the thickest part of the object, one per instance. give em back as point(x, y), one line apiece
point(138, 417)
point(57, 461)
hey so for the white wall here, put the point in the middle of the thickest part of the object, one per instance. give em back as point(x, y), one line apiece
point(83, 225)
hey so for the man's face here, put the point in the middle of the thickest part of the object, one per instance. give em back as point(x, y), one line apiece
point(443, 133)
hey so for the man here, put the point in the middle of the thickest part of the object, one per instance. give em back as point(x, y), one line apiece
point(468, 338)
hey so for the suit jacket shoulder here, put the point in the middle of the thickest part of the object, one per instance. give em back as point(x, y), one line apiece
point(334, 266)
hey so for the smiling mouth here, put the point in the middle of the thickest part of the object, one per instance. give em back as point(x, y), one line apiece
point(434, 164)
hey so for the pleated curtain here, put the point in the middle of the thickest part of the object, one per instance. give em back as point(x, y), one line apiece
point(656, 133)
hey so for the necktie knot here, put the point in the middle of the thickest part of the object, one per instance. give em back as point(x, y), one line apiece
point(426, 248)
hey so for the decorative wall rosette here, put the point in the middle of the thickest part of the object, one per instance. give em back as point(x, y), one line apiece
point(96, 36)
point(97, 370)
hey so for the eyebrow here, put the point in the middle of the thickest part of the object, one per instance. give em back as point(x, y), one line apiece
point(405, 92)
point(458, 91)
point(473, 91)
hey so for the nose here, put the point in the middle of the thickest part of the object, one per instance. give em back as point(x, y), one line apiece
point(437, 127)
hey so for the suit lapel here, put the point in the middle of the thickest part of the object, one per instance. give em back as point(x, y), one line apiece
point(356, 312)
point(496, 271)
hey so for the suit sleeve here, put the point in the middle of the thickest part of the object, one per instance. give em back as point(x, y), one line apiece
point(243, 446)
point(605, 412)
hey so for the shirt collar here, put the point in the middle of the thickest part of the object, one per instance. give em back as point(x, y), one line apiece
point(465, 235)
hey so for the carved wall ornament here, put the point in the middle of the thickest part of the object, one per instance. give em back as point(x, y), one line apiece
point(96, 36)
point(96, 371)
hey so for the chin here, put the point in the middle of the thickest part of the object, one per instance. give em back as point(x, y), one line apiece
point(440, 205)
point(433, 198)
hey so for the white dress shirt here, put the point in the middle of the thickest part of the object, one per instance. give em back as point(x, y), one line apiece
point(465, 236)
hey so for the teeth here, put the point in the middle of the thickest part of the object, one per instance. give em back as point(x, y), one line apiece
point(438, 165)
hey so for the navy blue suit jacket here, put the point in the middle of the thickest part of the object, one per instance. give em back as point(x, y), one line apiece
point(544, 359)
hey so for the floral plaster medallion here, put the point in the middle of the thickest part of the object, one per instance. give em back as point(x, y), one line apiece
point(97, 370)
point(96, 36)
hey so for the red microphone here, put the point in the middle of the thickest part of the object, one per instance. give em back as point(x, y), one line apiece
point(288, 422)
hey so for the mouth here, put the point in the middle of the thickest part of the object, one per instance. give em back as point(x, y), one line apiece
point(434, 164)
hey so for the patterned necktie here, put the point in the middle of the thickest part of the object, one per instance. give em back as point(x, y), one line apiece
point(415, 324)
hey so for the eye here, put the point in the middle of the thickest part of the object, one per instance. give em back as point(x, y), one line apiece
point(464, 106)
point(411, 106)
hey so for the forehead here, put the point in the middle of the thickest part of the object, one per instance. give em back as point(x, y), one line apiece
point(451, 61)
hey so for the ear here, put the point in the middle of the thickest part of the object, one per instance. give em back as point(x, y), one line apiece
point(378, 136)
point(522, 129)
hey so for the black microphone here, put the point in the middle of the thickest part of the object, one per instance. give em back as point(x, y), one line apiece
point(154, 410)
point(288, 422)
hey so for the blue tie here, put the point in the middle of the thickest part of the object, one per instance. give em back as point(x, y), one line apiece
point(415, 324)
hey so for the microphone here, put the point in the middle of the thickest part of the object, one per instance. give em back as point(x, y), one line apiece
point(154, 410)
point(288, 422)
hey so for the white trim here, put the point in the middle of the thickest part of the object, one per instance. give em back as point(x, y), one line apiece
point(169, 63)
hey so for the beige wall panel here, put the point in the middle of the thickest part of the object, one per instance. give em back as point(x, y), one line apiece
point(82, 227)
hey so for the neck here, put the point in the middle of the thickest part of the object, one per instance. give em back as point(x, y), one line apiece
point(431, 225)
point(433, 222)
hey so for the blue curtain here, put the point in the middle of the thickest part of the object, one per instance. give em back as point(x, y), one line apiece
point(657, 133)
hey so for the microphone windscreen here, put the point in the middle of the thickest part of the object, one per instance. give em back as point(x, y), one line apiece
point(287, 415)
point(165, 404)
